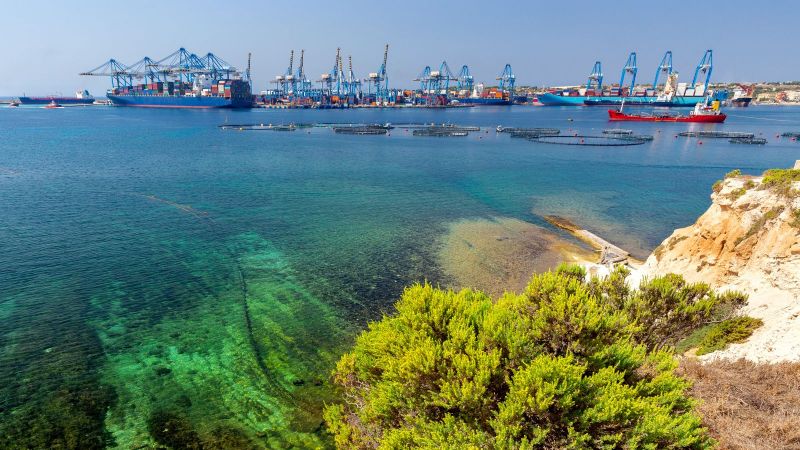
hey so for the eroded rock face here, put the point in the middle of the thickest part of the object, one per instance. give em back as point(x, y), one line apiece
point(748, 240)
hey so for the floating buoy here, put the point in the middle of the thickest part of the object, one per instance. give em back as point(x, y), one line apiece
point(699, 142)
point(581, 141)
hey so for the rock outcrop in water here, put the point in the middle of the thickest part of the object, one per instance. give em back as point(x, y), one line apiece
point(748, 240)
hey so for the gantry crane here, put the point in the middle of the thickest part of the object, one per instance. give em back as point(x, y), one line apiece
point(705, 66)
point(664, 67)
point(507, 81)
point(629, 68)
point(380, 81)
point(595, 80)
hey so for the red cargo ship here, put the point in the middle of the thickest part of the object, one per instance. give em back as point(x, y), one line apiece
point(701, 114)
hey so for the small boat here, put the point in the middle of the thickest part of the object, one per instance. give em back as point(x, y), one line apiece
point(702, 113)
point(53, 105)
point(13, 104)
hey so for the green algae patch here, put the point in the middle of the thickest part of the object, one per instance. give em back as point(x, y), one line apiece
point(239, 357)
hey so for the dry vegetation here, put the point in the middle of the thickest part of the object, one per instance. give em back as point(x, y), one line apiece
point(748, 406)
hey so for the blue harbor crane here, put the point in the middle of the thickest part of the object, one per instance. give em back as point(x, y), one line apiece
point(217, 69)
point(435, 84)
point(146, 69)
point(332, 81)
point(705, 66)
point(629, 68)
point(351, 82)
point(595, 80)
point(182, 65)
point(284, 84)
point(443, 79)
point(507, 81)
point(302, 83)
point(424, 79)
point(112, 68)
point(247, 72)
point(465, 80)
point(380, 81)
point(664, 67)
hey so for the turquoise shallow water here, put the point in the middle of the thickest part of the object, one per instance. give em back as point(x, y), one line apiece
point(165, 281)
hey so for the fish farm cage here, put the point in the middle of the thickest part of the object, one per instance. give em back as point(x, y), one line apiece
point(361, 130)
point(524, 132)
point(264, 127)
point(591, 141)
point(441, 132)
point(717, 134)
point(751, 141)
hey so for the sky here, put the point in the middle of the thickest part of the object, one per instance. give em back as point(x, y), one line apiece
point(548, 43)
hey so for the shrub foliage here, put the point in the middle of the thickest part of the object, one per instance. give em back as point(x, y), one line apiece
point(565, 364)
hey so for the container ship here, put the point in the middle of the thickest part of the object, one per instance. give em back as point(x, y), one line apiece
point(180, 80)
point(742, 96)
point(671, 94)
point(80, 98)
point(483, 96)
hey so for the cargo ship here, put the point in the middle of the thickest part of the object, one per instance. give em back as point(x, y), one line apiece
point(483, 96)
point(81, 98)
point(180, 80)
point(742, 96)
point(672, 94)
point(702, 113)
point(200, 94)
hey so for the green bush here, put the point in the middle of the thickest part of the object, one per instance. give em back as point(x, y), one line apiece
point(727, 332)
point(733, 173)
point(558, 366)
point(717, 186)
point(736, 193)
point(780, 180)
point(795, 218)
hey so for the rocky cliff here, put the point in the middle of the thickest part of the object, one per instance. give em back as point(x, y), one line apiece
point(748, 240)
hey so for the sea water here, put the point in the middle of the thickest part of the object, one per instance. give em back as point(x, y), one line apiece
point(163, 280)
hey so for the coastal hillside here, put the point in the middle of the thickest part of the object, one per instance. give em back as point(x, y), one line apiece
point(748, 240)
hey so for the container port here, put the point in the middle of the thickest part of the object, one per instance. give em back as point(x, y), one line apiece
point(340, 88)
point(179, 80)
point(186, 80)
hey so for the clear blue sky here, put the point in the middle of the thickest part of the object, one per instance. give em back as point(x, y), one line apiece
point(47, 43)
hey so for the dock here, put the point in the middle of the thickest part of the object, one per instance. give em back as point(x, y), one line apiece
point(609, 253)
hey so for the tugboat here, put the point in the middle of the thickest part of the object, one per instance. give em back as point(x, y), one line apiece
point(702, 113)
point(53, 105)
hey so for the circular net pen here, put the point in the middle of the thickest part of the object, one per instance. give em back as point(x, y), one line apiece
point(590, 141)
point(360, 130)
point(529, 131)
point(716, 134)
point(750, 141)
